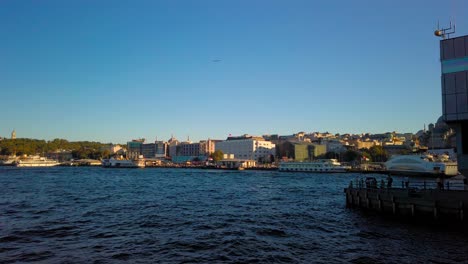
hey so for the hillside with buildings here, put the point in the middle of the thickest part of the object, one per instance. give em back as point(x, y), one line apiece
point(264, 149)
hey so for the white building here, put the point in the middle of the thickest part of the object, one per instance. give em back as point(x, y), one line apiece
point(247, 147)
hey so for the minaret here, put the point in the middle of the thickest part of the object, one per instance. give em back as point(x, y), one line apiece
point(13, 134)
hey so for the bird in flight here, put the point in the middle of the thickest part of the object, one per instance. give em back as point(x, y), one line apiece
point(216, 60)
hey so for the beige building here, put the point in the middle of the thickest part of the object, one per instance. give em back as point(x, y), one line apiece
point(247, 147)
point(365, 144)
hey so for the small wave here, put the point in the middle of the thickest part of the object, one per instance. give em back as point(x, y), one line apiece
point(121, 256)
point(35, 256)
point(371, 235)
point(190, 246)
point(53, 232)
point(39, 212)
point(150, 225)
point(6, 239)
point(365, 260)
point(104, 235)
point(6, 249)
point(271, 232)
point(91, 213)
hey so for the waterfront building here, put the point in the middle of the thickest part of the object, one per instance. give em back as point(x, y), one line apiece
point(134, 148)
point(454, 82)
point(172, 146)
point(300, 151)
point(208, 146)
point(247, 147)
point(112, 148)
point(148, 150)
point(188, 149)
point(137, 148)
point(160, 149)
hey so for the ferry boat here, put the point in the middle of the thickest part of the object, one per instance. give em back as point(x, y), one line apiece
point(115, 163)
point(36, 161)
point(422, 165)
point(321, 165)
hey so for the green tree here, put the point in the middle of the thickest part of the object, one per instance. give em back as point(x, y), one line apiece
point(378, 154)
point(217, 155)
point(350, 156)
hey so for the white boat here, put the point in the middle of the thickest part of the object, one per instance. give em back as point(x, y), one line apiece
point(8, 162)
point(115, 163)
point(422, 165)
point(36, 161)
point(321, 165)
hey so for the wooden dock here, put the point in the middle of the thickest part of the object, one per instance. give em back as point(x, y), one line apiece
point(431, 204)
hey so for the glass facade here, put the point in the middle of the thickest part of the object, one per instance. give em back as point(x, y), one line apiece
point(454, 67)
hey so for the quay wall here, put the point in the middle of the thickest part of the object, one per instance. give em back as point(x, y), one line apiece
point(433, 203)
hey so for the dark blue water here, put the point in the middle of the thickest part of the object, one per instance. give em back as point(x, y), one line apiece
point(95, 215)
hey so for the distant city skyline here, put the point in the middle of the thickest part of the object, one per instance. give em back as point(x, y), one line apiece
point(111, 71)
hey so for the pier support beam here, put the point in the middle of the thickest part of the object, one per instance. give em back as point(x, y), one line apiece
point(358, 199)
point(380, 202)
point(460, 212)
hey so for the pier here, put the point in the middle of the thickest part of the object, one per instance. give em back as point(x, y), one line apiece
point(421, 201)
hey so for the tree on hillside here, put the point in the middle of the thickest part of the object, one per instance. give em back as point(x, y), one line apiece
point(350, 156)
point(378, 154)
point(217, 155)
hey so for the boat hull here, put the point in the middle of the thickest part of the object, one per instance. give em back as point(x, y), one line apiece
point(320, 166)
point(418, 173)
point(124, 164)
point(30, 165)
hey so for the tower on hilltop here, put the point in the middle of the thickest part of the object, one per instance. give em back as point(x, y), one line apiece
point(13, 134)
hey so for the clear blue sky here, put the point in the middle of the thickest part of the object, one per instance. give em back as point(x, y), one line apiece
point(111, 71)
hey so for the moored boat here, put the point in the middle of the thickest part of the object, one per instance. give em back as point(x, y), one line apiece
point(321, 165)
point(36, 161)
point(115, 163)
point(422, 165)
point(10, 161)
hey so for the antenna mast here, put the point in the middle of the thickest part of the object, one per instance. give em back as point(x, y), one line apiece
point(444, 32)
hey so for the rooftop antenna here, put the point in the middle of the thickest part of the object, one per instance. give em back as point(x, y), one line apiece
point(444, 32)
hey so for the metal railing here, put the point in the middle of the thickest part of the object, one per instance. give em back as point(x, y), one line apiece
point(446, 184)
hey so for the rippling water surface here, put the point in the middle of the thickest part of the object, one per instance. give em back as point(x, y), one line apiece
point(72, 215)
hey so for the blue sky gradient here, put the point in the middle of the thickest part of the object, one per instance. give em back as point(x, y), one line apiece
point(111, 71)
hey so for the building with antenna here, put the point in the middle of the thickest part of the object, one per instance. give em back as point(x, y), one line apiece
point(13, 134)
point(454, 82)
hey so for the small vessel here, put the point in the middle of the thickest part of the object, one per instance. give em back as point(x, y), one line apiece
point(320, 165)
point(116, 163)
point(422, 165)
point(36, 161)
point(10, 161)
